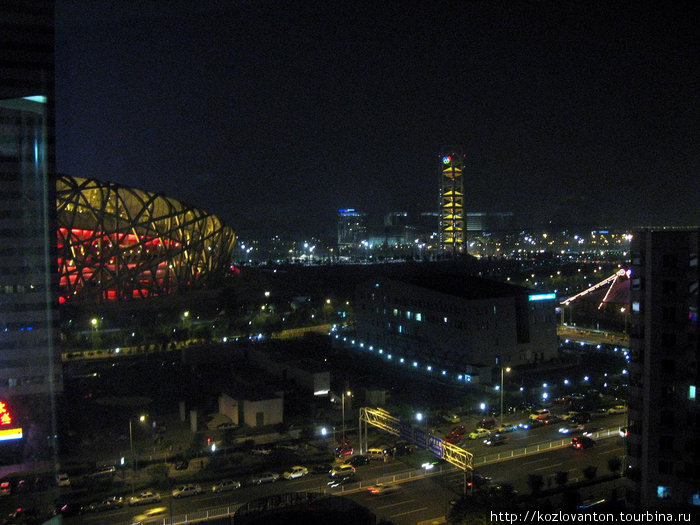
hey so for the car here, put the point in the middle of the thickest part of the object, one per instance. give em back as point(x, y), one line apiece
point(341, 470)
point(401, 448)
point(590, 431)
point(452, 439)
point(151, 514)
point(342, 480)
point(183, 464)
point(144, 498)
point(502, 429)
point(617, 409)
point(542, 413)
point(115, 502)
point(184, 491)
point(479, 433)
point(377, 453)
point(62, 480)
point(581, 442)
point(581, 417)
point(487, 422)
point(227, 426)
point(261, 450)
point(344, 451)
point(569, 414)
point(225, 485)
point(5, 489)
point(381, 489)
point(571, 428)
point(287, 445)
point(104, 472)
point(357, 461)
point(321, 468)
point(551, 419)
point(459, 430)
point(451, 418)
point(265, 477)
point(296, 471)
point(495, 439)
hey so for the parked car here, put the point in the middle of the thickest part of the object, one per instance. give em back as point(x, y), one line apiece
point(115, 502)
point(459, 430)
point(383, 488)
point(296, 471)
point(265, 477)
point(401, 448)
point(144, 498)
point(487, 422)
point(581, 442)
point(183, 464)
point(341, 470)
point(451, 418)
point(225, 485)
point(184, 491)
point(287, 445)
point(357, 461)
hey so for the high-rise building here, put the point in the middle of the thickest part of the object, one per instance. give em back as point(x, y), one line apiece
point(663, 442)
point(352, 228)
point(30, 372)
point(452, 220)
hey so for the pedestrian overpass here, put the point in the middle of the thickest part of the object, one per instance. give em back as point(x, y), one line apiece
point(420, 437)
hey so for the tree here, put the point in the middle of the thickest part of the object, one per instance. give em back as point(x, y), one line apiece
point(561, 478)
point(590, 472)
point(535, 482)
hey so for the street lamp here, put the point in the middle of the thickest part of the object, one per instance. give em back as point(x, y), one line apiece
point(93, 321)
point(506, 369)
point(349, 394)
point(142, 418)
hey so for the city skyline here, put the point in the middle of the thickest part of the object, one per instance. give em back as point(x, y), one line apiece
point(274, 116)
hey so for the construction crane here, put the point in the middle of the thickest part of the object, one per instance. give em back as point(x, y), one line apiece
point(612, 280)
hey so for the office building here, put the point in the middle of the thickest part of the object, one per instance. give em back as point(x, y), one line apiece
point(452, 220)
point(30, 372)
point(352, 229)
point(462, 325)
point(663, 445)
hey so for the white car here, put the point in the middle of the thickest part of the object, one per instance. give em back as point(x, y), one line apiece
point(265, 477)
point(144, 498)
point(226, 485)
point(571, 428)
point(295, 472)
point(186, 490)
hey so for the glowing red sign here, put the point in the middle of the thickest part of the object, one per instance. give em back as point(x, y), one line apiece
point(5, 417)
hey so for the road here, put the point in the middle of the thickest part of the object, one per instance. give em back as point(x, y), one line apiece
point(423, 498)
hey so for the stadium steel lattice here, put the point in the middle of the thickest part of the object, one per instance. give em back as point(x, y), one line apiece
point(119, 243)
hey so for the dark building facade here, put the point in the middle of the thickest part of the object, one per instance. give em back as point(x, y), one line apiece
point(30, 372)
point(663, 445)
point(464, 326)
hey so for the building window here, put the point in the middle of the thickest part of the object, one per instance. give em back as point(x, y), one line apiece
point(395, 312)
point(663, 492)
point(636, 307)
point(691, 392)
point(409, 314)
point(419, 317)
point(444, 320)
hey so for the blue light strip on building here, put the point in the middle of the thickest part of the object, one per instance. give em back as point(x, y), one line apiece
point(542, 297)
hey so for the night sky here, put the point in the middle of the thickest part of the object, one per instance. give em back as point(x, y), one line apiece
point(274, 114)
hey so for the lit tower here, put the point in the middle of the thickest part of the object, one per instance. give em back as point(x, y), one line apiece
point(452, 227)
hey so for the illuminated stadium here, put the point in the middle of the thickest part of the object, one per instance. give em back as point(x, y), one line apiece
point(117, 243)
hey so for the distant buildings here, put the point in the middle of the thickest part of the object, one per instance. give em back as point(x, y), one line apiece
point(455, 324)
point(30, 368)
point(663, 446)
point(352, 229)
